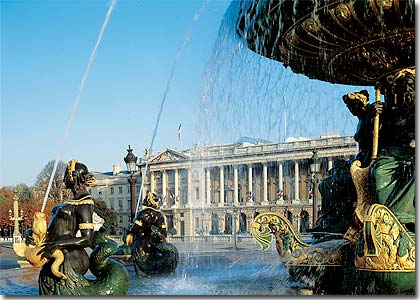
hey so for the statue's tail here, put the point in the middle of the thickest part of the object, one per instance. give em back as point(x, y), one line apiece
point(111, 276)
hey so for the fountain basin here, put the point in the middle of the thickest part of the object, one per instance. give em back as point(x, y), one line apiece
point(345, 42)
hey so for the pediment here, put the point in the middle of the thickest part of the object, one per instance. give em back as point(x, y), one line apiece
point(168, 155)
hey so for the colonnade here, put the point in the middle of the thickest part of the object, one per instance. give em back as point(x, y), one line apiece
point(262, 183)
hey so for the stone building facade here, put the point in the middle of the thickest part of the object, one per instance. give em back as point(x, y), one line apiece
point(219, 189)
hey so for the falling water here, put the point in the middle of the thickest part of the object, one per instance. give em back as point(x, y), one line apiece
point(76, 100)
point(246, 94)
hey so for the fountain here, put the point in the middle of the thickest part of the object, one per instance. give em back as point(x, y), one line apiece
point(324, 41)
point(364, 43)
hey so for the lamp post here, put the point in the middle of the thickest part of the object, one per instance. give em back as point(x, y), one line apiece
point(16, 218)
point(131, 163)
point(234, 212)
point(314, 167)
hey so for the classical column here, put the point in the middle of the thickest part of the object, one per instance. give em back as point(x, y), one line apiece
point(222, 186)
point(177, 200)
point(152, 181)
point(189, 187)
point(202, 188)
point(265, 185)
point(164, 184)
point(250, 201)
point(235, 185)
point(280, 199)
point(144, 192)
point(208, 186)
point(330, 163)
point(297, 198)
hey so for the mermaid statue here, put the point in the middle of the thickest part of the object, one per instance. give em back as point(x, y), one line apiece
point(60, 249)
point(151, 253)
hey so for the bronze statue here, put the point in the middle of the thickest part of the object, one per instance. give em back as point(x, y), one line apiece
point(151, 253)
point(393, 171)
point(337, 188)
point(62, 251)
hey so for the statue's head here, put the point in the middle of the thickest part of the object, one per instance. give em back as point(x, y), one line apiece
point(151, 200)
point(356, 102)
point(77, 175)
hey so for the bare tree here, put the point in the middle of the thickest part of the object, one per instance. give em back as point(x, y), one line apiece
point(58, 191)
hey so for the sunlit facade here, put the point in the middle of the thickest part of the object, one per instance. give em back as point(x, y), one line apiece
point(220, 188)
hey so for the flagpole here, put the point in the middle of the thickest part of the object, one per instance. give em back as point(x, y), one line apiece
point(179, 136)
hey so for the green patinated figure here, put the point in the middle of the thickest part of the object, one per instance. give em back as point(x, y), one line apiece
point(151, 253)
point(337, 188)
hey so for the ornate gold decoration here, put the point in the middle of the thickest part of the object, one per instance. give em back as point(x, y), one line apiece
point(342, 11)
point(311, 25)
point(129, 239)
point(152, 200)
point(385, 4)
point(346, 42)
point(358, 96)
point(402, 72)
point(71, 167)
point(86, 226)
point(85, 200)
point(140, 223)
point(323, 254)
point(39, 231)
point(375, 142)
point(91, 180)
point(267, 224)
point(387, 246)
point(362, 184)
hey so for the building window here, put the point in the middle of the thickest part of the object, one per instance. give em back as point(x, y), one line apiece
point(128, 189)
point(111, 203)
point(120, 203)
point(120, 189)
point(137, 189)
point(112, 191)
point(120, 219)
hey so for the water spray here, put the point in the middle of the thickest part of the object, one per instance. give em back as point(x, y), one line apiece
point(165, 94)
point(76, 101)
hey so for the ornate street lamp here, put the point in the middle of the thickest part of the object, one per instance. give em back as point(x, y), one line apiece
point(16, 218)
point(131, 163)
point(315, 168)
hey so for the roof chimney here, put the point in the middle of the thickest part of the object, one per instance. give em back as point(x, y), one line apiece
point(116, 169)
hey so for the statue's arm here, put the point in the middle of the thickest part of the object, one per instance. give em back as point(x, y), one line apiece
point(137, 227)
point(162, 226)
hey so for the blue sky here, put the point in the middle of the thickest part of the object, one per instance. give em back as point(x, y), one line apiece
point(45, 47)
point(219, 91)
